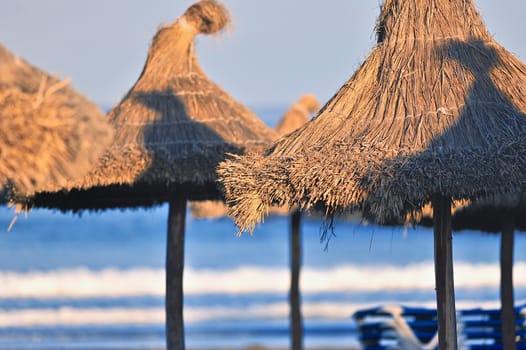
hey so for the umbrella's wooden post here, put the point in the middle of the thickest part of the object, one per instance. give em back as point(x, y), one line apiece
point(174, 275)
point(296, 326)
point(506, 283)
point(445, 289)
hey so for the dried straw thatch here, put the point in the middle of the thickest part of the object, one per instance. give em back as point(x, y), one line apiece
point(436, 108)
point(298, 114)
point(49, 133)
point(172, 128)
point(424, 216)
point(211, 209)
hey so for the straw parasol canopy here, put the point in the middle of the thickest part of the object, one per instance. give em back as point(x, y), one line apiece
point(436, 108)
point(49, 133)
point(434, 114)
point(172, 128)
point(298, 114)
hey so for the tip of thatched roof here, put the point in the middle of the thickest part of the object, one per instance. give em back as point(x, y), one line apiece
point(310, 102)
point(422, 19)
point(298, 114)
point(207, 17)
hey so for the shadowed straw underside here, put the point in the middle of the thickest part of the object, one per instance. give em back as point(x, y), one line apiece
point(487, 215)
point(437, 107)
point(172, 128)
point(49, 133)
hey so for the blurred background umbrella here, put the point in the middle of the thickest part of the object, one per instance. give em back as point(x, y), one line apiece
point(172, 129)
point(503, 216)
point(435, 113)
point(495, 217)
point(298, 114)
point(49, 132)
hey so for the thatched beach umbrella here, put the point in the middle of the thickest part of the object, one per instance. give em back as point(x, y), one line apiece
point(498, 216)
point(49, 133)
point(172, 129)
point(435, 113)
point(503, 216)
point(298, 114)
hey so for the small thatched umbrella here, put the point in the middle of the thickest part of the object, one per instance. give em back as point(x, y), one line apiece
point(49, 133)
point(297, 115)
point(172, 129)
point(435, 113)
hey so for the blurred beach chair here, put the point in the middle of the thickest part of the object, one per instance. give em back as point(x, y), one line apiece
point(397, 327)
point(481, 328)
point(411, 328)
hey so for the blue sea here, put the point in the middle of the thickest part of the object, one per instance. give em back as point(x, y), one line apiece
point(96, 281)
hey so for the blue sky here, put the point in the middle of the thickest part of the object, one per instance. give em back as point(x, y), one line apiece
point(277, 49)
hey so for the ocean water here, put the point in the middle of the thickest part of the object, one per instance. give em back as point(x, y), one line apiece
point(96, 281)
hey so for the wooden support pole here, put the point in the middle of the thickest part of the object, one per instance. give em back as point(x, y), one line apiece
point(174, 275)
point(296, 324)
point(506, 282)
point(444, 283)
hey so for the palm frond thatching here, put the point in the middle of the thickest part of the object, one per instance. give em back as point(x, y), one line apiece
point(437, 108)
point(172, 128)
point(49, 133)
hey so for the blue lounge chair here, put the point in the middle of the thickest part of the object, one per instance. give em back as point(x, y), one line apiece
point(409, 328)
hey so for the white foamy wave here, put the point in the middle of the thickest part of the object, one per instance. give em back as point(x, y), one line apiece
point(348, 278)
point(84, 283)
point(67, 316)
